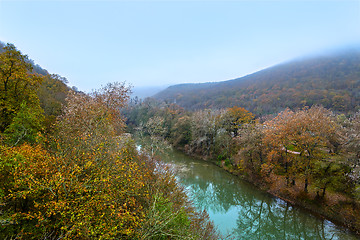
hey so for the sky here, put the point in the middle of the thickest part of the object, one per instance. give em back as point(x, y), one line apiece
point(152, 43)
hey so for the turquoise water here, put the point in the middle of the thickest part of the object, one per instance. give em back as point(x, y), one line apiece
point(241, 211)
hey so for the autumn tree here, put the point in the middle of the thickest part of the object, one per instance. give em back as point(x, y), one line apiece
point(251, 152)
point(52, 94)
point(181, 131)
point(350, 145)
point(155, 131)
point(235, 118)
point(90, 187)
point(276, 139)
point(299, 139)
point(204, 129)
point(17, 85)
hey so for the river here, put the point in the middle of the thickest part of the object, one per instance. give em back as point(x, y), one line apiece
point(242, 211)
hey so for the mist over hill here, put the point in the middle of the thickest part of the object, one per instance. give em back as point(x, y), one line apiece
point(331, 79)
point(146, 91)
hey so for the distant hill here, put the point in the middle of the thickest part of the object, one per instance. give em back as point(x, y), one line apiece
point(144, 92)
point(332, 80)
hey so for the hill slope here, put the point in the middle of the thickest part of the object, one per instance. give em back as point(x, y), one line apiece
point(332, 80)
point(52, 91)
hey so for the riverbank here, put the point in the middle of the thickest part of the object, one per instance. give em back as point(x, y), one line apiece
point(244, 211)
point(334, 207)
point(307, 157)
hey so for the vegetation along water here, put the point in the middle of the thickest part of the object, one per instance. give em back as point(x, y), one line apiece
point(308, 157)
point(242, 211)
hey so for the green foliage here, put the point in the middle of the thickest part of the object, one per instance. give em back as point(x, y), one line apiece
point(169, 214)
point(17, 84)
point(25, 126)
point(332, 175)
point(23, 81)
point(164, 221)
point(181, 131)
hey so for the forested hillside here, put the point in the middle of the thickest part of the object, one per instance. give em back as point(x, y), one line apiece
point(68, 170)
point(332, 80)
point(51, 90)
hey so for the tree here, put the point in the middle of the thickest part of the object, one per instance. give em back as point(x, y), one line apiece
point(92, 121)
point(276, 139)
point(251, 154)
point(301, 138)
point(17, 84)
point(204, 129)
point(25, 125)
point(52, 94)
point(44, 194)
point(155, 130)
point(181, 131)
point(332, 174)
point(351, 146)
point(235, 118)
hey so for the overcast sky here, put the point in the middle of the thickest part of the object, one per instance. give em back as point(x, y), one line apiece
point(166, 42)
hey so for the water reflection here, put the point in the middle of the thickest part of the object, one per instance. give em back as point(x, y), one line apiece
point(239, 208)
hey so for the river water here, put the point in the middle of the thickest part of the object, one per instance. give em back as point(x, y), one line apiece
point(241, 211)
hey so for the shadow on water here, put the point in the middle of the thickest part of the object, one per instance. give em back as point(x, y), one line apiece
point(237, 207)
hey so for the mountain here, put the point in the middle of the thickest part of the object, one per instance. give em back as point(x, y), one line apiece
point(332, 80)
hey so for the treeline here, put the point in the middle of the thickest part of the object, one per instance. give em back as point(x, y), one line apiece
point(310, 156)
point(71, 172)
point(332, 81)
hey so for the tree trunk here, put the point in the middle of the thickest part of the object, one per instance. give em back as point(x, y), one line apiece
point(323, 193)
